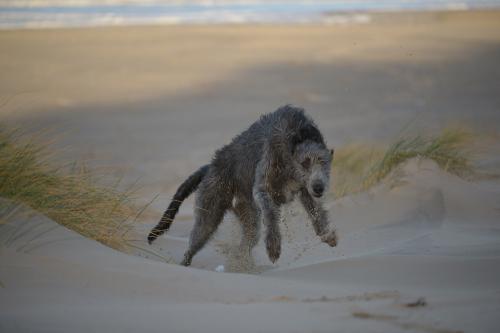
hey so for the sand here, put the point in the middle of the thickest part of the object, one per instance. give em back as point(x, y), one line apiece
point(419, 253)
point(422, 267)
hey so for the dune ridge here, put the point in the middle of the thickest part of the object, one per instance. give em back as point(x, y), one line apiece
point(440, 249)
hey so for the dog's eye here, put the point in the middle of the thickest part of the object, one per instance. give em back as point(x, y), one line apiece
point(306, 163)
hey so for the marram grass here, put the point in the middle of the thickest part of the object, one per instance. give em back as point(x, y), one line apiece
point(72, 197)
point(68, 195)
point(356, 168)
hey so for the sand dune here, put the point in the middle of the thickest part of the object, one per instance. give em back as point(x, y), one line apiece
point(428, 244)
point(419, 210)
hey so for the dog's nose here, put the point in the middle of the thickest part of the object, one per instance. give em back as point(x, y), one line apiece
point(318, 189)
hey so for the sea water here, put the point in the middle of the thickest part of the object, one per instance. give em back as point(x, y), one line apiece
point(84, 13)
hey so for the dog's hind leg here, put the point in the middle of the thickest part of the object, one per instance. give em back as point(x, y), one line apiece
point(211, 204)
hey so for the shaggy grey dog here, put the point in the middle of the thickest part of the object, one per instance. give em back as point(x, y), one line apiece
point(281, 156)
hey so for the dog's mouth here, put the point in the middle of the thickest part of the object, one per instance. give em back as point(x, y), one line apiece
point(317, 195)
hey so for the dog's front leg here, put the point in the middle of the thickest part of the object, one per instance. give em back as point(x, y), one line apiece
point(319, 218)
point(270, 213)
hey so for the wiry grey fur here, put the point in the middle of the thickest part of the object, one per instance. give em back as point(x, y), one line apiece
point(281, 156)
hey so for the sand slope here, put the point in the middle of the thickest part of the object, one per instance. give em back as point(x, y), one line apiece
point(440, 240)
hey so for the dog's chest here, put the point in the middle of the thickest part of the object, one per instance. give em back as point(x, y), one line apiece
point(289, 192)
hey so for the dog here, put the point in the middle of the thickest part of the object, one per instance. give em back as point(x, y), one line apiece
point(281, 156)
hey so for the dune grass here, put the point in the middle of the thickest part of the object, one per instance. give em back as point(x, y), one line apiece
point(350, 166)
point(358, 167)
point(70, 195)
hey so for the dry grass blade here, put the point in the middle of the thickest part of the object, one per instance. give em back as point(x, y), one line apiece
point(68, 195)
point(358, 167)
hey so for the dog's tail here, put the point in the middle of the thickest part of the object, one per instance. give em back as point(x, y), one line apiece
point(189, 186)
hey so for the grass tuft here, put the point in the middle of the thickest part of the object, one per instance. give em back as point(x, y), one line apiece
point(70, 195)
point(350, 166)
point(357, 168)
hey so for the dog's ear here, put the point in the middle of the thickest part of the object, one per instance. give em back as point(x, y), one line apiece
point(308, 132)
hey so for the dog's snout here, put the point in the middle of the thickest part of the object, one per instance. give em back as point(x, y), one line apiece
point(318, 189)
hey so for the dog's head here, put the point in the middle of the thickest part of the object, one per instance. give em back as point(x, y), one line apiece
point(313, 162)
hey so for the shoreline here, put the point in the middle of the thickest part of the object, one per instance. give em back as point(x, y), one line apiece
point(327, 18)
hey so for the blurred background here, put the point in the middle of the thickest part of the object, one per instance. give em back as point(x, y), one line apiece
point(77, 13)
point(149, 89)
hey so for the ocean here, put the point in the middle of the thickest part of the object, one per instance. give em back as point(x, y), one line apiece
point(16, 14)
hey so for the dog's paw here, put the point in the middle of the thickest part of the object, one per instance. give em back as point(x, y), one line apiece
point(273, 246)
point(186, 261)
point(330, 238)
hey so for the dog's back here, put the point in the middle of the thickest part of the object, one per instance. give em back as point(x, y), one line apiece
point(237, 161)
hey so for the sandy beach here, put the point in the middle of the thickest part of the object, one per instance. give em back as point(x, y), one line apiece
point(152, 103)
